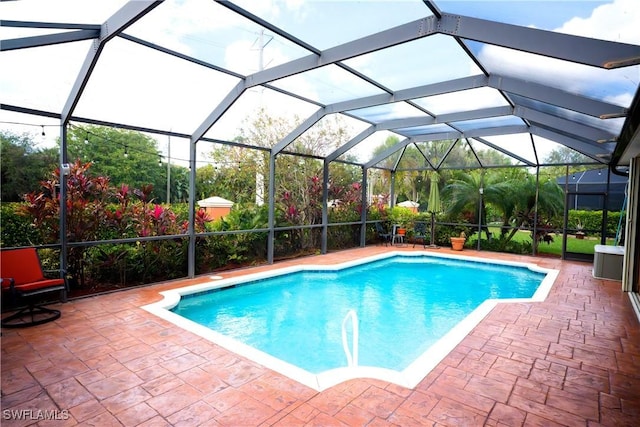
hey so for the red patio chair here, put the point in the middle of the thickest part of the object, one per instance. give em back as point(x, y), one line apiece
point(21, 276)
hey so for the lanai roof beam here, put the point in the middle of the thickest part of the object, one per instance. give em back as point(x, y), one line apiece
point(118, 22)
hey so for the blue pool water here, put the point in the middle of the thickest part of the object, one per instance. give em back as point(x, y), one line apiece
point(404, 305)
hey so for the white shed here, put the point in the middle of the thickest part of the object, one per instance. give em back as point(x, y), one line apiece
point(216, 207)
point(410, 204)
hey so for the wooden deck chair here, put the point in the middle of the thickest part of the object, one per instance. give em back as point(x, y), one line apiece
point(22, 277)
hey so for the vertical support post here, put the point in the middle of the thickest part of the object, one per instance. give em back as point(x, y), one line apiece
point(630, 263)
point(325, 207)
point(271, 221)
point(392, 190)
point(565, 219)
point(605, 210)
point(168, 168)
point(365, 205)
point(259, 180)
point(64, 159)
point(480, 201)
point(534, 247)
point(191, 263)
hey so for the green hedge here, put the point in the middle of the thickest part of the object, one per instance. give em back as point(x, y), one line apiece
point(16, 229)
point(591, 221)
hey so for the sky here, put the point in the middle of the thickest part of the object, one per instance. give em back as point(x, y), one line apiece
point(134, 85)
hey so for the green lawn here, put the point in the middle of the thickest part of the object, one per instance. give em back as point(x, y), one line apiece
point(583, 246)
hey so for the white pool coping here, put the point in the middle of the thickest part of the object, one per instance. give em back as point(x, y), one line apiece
point(409, 377)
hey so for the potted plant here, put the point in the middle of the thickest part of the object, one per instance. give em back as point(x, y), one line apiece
point(457, 242)
point(580, 231)
point(402, 218)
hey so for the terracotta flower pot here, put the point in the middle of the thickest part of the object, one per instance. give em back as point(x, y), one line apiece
point(457, 243)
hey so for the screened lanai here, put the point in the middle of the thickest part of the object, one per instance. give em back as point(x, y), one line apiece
point(492, 80)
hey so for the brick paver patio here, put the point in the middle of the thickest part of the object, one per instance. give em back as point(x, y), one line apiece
point(572, 360)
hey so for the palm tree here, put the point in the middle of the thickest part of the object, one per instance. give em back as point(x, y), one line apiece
point(465, 195)
point(514, 198)
point(521, 205)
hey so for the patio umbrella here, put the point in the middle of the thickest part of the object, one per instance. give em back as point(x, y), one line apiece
point(434, 206)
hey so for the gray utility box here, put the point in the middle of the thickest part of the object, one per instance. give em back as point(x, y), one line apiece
point(607, 262)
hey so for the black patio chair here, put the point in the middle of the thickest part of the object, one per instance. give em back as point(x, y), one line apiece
point(383, 235)
point(420, 233)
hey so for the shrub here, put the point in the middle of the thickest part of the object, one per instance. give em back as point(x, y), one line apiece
point(501, 244)
point(17, 229)
point(97, 211)
point(402, 216)
point(181, 210)
point(591, 221)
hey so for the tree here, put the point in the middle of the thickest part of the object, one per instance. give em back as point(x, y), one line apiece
point(179, 184)
point(408, 180)
point(240, 173)
point(414, 162)
point(493, 158)
point(499, 193)
point(550, 204)
point(566, 156)
point(235, 171)
point(231, 174)
point(381, 178)
point(205, 181)
point(515, 198)
point(23, 166)
point(126, 157)
point(464, 197)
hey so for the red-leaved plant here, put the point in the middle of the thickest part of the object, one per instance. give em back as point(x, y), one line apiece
point(96, 210)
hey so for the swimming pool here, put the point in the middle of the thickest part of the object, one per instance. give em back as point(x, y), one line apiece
point(381, 317)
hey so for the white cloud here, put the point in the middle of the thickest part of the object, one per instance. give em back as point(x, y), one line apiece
point(274, 9)
point(616, 21)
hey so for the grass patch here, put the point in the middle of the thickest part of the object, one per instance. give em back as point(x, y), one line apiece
point(582, 246)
